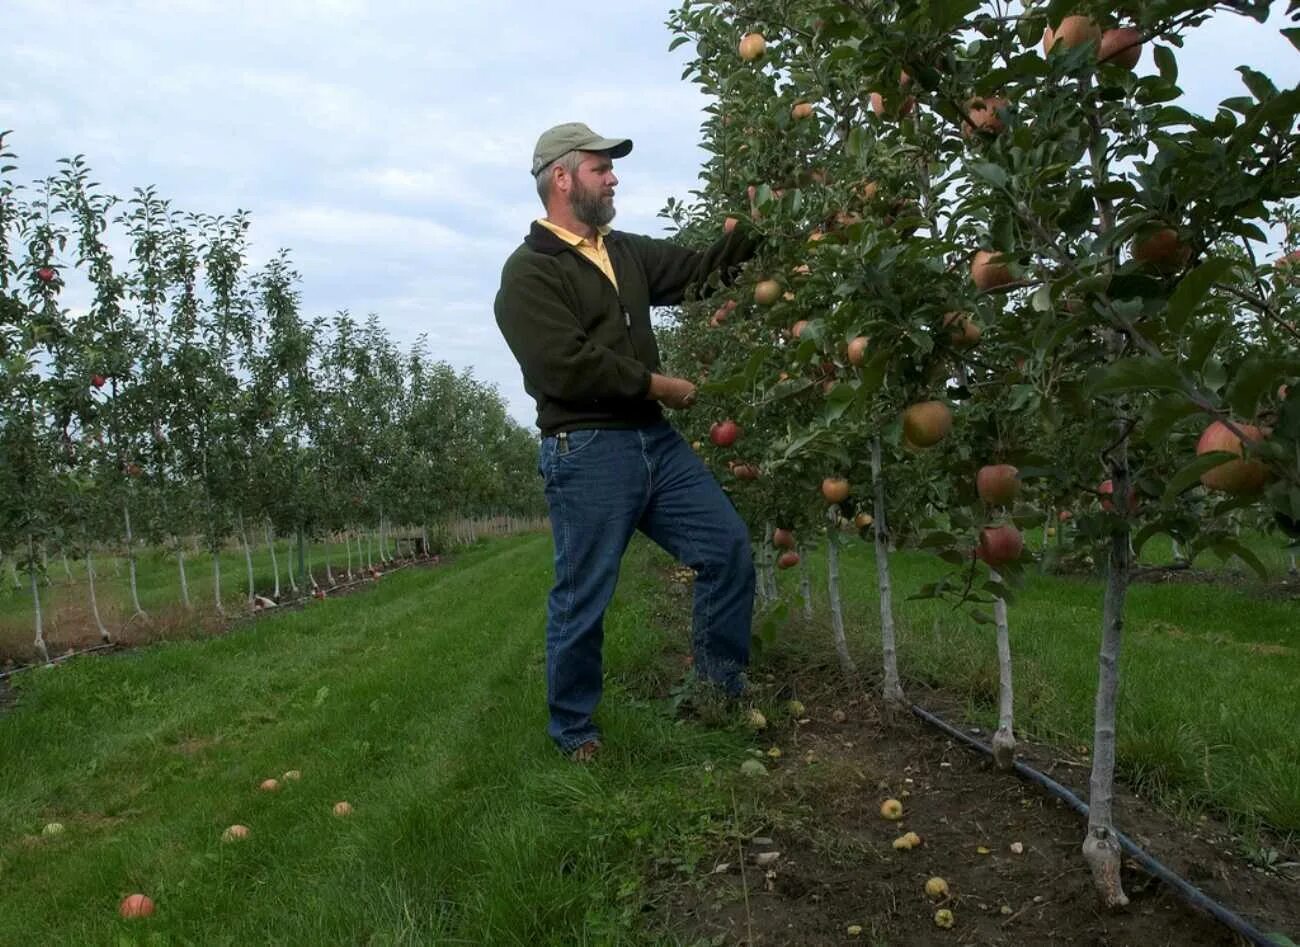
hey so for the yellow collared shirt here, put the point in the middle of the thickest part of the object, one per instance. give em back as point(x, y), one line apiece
point(593, 249)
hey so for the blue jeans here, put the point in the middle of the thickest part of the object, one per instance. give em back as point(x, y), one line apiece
point(600, 486)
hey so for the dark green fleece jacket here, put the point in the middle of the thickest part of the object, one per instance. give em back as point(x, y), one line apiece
point(587, 349)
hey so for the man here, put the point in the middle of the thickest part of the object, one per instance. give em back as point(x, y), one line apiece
point(574, 307)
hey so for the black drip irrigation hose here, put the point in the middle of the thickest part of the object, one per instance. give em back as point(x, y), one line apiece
point(1184, 889)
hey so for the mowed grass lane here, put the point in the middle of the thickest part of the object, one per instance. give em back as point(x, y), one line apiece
point(422, 703)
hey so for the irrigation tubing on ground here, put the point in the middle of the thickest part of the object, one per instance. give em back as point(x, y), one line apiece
point(1185, 890)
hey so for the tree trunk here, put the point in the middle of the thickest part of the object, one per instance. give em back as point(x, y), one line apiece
point(892, 688)
point(1101, 848)
point(216, 581)
point(347, 544)
point(329, 573)
point(185, 582)
point(1293, 569)
point(130, 560)
point(275, 565)
point(45, 565)
point(1004, 741)
point(370, 562)
point(833, 592)
point(311, 579)
point(248, 562)
point(302, 556)
point(805, 582)
point(424, 534)
point(13, 573)
point(94, 605)
point(36, 598)
point(67, 570)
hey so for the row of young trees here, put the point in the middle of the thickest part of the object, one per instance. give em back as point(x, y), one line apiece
point(1008, 278)
point(188, 398)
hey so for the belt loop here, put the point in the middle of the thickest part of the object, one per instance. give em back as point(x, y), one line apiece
point(562, 442)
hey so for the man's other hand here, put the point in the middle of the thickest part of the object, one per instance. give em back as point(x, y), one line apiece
point(676, 393)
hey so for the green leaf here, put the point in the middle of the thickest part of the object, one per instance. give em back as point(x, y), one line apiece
point(1193, 288)
point(1166, 63)
point(1293, 35)
point(1164, 414)
point(1255, 376)
point(1190, 475)
point(1230, 547)
point(1135, 374)
point(992, 173)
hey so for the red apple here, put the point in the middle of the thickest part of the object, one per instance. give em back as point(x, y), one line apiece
point(136, 905)
point(767, 292)
point(98, 380)
point(1106, 488)
point(927, 423)
point(1235, 476)
point(982, 116)
point(45, 274)
point(729, 224)
point(745, 471)
point(752, 46)
point(835, 489)
point(997, 484)
point(989, 271)
point(788, 560)
point(724, 433)
point(783, 538)
point(1121, 47)
point(1064, 516)
point(999, 545)
point(1161, 249)
point(796, 330)
point(858, 350)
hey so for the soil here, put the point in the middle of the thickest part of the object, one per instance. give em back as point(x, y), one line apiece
point(837, 867)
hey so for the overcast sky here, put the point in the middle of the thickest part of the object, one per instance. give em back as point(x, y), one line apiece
point(387, 144)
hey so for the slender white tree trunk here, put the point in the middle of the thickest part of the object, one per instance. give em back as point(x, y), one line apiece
point(1293, 569)
point(185, 580)
point(370, 562)
point(36, 599)
point(67, 570)
point(216, 581)
point(311, 579)
point(45, 565)
point(94, 604)
point(892, 687)
point(248, 561)
point(1101, 848)
point(347, 544)
point(329, 573)
point(288, 568)
point(1180, 555)
point(130, 560)
point(275, 564)
point(1004, 740)
point(13, 573)
point(833, 591)
point(805, 582)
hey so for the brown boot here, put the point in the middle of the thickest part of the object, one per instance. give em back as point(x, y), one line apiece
point(585, 753)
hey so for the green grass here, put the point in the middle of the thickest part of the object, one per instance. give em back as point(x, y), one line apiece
point(1209, 676)
point(421, 702)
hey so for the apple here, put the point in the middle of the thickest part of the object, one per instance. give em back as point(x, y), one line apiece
point(724, 433)
point(292, 776)
point(989, 270)
point(45, 274)
point(891, 809)
point(783, 538)
point(997, 484)
point(963, 333)
point(868, 190)
point(1064, 516)
point(342, 809)
point(730, 224)
point(944, 918)
point(1235, 476)
point(1051, 531)
point(1073, 31)
point(752, 46)
point(136, 905)
point(801, 111)
point(936, 887)
point(858, 350)
point(835, 489)
point(863, 520)
point(788, 560)
point(880, 105)
point(796, 330)
point(999, 545)
point(745, 471)
point(1162, 250)
point(982, 115)
point(1121, 47)
point(927, 423)
point(269, 785)
point(907, 842)
point(767, 292)
point(1106, 488)
point(98, 380)
point(235, 833)
point(133, 469)
point(803, 269)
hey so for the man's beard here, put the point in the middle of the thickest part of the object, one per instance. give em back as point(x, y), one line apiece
point(590, 207)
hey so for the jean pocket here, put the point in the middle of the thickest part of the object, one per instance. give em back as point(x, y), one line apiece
point(577, 441)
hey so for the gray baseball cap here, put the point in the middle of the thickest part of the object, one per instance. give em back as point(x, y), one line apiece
point(574, 136)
